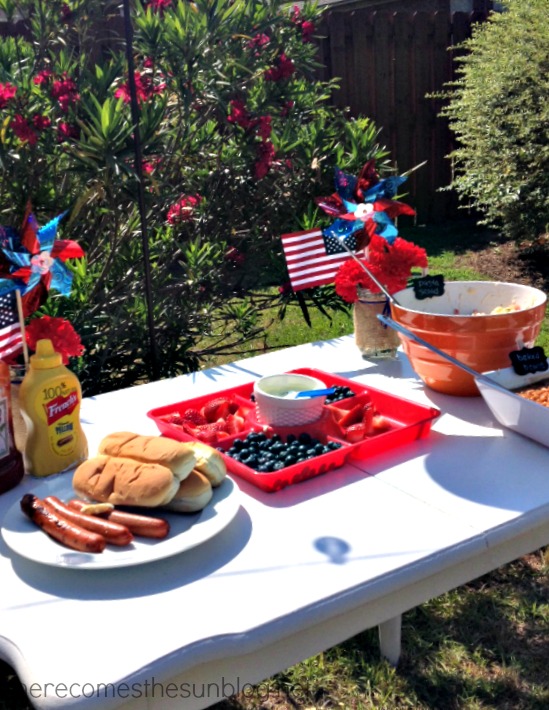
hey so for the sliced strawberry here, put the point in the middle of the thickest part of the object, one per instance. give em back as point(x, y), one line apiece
point(193, 416)
point(211, 432)
point(218, 408)
point(235, 424)
point(379, 424)
point(368, 413)
point(172, 418)
point(352, 416)
point(355, 432)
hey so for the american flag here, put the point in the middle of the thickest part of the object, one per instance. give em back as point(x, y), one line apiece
point(314, 258)
point(11, 337)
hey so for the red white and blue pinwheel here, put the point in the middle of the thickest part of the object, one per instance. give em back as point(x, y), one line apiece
point(364, 204)
point(32, 261)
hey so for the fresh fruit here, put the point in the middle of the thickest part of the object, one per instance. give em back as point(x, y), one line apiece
point(266, 453)
point(341, 392)
point(209, 433)
point(218, 408)
point(351, 416)
point(360, 421)
point(193, 416)
point(235, 423)
point(355, 432)
point(379, 423)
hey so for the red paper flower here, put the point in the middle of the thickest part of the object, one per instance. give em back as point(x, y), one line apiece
point(391, 265)
point(63, 336)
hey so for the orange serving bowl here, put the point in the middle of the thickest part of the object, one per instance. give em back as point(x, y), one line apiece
point(461, 323)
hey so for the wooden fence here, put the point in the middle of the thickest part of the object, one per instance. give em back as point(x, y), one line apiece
point(387, 64)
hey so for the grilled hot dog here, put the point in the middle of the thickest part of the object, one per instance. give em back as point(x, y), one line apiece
point(140, 525)
point(113, 533)
point(59, 528)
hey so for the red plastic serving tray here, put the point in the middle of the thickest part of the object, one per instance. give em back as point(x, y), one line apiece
point(407, 421)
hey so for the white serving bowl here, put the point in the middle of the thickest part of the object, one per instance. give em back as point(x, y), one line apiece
point(275, 407)
point(510, 409)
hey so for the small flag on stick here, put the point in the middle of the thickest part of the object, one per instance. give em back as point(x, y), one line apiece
point(313, 258)
point(11, 333)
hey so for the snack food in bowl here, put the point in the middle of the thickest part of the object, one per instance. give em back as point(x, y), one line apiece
point(276, 403)
point(478, 323)
point(518, 402)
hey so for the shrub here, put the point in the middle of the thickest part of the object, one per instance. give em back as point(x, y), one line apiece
point(237, 137)
point(499, 110)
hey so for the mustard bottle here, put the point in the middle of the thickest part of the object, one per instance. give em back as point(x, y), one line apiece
point(50, 398)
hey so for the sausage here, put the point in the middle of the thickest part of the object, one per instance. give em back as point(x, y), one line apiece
point(59, 528)
point(140, 525)
point(113, 533)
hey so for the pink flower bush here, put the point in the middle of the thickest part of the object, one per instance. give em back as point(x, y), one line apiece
point(65, 92)
point(265, 157)
point(23, 130)
point(284, 68)
point(145, 88)
point(184, 209)
point(7, 93)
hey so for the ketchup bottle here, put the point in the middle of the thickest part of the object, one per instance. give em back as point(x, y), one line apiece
point(11, 461)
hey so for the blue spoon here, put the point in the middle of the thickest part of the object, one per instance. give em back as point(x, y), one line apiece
point(315, 393)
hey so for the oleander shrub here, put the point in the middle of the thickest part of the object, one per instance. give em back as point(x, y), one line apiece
point(498, 108)
point(237, 137)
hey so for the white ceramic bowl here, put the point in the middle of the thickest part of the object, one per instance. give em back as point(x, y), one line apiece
point(275, 407)
point(510, 409)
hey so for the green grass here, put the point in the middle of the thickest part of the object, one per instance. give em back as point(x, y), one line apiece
point(484, 645)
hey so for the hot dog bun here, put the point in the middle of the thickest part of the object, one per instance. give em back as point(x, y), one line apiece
point(194, 494)
point(209, 462)
point(178, 456)
point(124, 481)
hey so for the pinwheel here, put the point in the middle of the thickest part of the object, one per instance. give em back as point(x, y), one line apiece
point(32, 261)
point(364, 203)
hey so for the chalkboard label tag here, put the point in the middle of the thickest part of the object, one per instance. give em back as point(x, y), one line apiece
point(428, 286)
point(529, 360)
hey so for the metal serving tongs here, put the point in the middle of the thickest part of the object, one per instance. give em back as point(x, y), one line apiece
point(409, 334)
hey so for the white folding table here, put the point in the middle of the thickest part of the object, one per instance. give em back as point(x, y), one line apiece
point(293, 572)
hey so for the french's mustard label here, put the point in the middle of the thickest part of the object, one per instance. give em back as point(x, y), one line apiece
point(59, 403)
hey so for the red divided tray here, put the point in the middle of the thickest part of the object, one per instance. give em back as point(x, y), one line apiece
point(406, 422)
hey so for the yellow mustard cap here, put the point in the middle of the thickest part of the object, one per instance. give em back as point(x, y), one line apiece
point(45, 356)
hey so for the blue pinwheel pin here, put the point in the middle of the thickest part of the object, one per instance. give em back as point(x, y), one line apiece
point(32, 261)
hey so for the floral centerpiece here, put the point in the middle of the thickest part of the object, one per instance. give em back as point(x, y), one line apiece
point(391, 265)
point(64, 338)
point(365, 210)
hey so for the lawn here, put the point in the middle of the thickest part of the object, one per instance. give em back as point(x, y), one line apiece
point(484, 645)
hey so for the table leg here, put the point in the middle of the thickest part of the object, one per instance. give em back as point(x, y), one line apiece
point(389, 639)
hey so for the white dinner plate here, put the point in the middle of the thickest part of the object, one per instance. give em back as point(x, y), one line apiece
point(186, 531)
